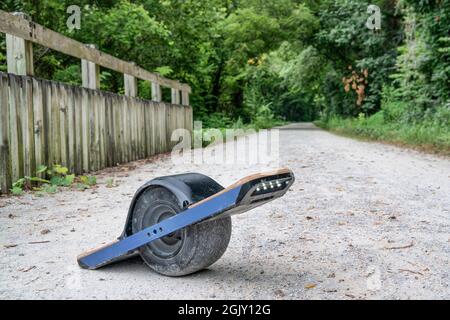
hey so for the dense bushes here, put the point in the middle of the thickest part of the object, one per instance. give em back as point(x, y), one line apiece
point(415, 100)
point(426, 135)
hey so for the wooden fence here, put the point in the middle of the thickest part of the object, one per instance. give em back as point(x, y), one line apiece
point(44, 122)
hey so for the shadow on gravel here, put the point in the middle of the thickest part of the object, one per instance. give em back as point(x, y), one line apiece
point(235, 272)
point(251, 275)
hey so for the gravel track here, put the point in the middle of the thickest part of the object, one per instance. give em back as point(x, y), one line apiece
point(362, 221)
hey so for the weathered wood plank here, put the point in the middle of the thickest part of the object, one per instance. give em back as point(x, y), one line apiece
point(164, 115)
point(19, 53)
point(190, 123)
point(191, 120)
point(157, 128)
point(175, 96)
point(156, 92)
point(63, 129)
point(138, 132)
point(102, 119)
point(5, 163)
point(91, 132)
point(85, 129)
point(172, 118)
point(147, 127)
point(141, 124)
point(123, 128)
point(118, 116)
point(15, 125)
point(47, 104)
point(151, 124)
point(160, 127)
point(55, 123)
point(133, 130)
point(112, 130)
point(116, 133)
point(117, 130)
point(185, 98)
point(136, 127)
point(110, 122)
point(98, 129)
point(108, 129)
point(90, 75)
point(180, 120)
point(96, 107)
point(39, 124)
point(71, 129)
point(27, 122)
point(126, 119)
point(130, 85)
point(78, 110)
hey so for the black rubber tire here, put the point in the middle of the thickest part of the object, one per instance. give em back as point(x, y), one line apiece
point(201, 244)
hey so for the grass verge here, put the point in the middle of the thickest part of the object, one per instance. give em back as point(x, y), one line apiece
point(426, 137)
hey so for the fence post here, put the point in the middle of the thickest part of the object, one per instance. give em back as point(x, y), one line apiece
point(19, 53)
point(156, 92)
point(184, 98)
point(130, 84)
point(175, 96)
point(90, 72)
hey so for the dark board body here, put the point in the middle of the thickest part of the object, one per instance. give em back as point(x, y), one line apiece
point(240, 197)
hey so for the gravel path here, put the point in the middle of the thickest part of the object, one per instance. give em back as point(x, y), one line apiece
point(363, 221)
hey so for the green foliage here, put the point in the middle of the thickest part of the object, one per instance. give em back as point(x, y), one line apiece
point(430, 21)
point(414, 99)
point(394, 110)
point(41, 169)
point(431, 133)
point(70, 75)
point(255, 63)
point(265, 118)
point(17, 191)
point(58, 176)
point(82, 186)
point(88, 180)
point(26, 183)
point(63, 181)
point(3, 67)
point(165, 71)
point(216, 120)
point(248, 34)
point(58, 170)
point(49, 189)
point(110, 183)
point(351, 47)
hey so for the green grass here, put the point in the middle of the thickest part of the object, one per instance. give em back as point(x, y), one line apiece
point(426, 136)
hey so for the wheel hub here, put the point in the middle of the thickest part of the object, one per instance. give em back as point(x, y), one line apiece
point(171, 244)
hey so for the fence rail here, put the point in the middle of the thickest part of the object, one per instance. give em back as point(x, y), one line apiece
point(45, 122)
point(18, 26)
